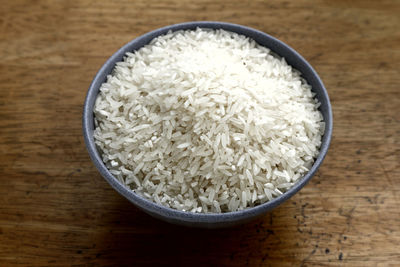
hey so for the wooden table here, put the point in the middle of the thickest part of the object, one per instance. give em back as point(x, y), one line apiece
point(56, 209)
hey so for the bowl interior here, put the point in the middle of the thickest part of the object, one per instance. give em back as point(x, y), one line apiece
point(194, 219)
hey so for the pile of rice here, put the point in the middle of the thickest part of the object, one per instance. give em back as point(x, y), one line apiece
point(207, 121)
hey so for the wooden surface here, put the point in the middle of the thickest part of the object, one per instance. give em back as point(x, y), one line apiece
point(56, 210)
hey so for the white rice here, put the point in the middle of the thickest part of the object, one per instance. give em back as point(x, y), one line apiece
point(207, 121)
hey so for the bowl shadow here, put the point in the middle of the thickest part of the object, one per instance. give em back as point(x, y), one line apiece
point(129, 236)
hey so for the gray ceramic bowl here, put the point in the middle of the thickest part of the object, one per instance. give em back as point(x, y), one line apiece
point(194, 219)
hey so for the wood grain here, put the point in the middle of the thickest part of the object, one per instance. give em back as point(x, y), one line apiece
point(56, 210)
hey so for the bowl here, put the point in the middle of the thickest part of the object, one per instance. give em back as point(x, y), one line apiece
point(210, 220)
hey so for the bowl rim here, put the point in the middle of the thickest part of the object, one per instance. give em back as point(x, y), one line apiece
point(185, 216)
